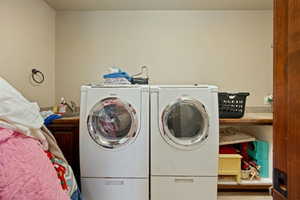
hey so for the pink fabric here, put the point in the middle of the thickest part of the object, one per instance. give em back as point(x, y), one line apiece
point(25, 170)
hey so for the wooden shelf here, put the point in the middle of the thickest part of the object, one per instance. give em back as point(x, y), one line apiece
point(66, 119)
point(244, 187)
point(263, 184)
point(250, 119)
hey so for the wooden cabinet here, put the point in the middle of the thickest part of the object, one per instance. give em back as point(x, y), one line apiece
point(260, 124)
point(66, 133)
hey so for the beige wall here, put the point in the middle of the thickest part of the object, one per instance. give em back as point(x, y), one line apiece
point(27, 39)
point(231, 49)
point(228, 48)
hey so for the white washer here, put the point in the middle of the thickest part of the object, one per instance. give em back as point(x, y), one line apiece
point(114, 142)
point(184, 142)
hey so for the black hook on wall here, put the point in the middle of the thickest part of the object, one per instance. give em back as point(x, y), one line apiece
point(37, 76)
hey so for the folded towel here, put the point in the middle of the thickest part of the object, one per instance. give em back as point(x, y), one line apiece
point(117, 75)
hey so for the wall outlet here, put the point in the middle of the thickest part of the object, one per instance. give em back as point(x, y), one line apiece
point(268, 100)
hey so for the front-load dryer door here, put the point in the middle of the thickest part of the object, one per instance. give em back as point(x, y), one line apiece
point(184, 123)
point(112, 123)
point(184, 132)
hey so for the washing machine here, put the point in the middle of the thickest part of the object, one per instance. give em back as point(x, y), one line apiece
point(184, 142)
point(114, 142)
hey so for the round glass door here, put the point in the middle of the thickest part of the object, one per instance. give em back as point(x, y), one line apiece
point(112, 123)
point(185, 123)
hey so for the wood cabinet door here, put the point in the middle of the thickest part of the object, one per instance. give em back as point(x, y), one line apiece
point(67, 137)
point(286, 99)
point(65, 141)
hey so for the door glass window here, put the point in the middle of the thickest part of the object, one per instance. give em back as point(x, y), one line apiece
point(112, 122)
point(185, 121)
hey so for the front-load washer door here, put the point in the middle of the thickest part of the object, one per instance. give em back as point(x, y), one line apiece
point(184, 123)
point(112, 123)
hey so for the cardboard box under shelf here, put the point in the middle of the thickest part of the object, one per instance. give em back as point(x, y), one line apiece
point(230, 165)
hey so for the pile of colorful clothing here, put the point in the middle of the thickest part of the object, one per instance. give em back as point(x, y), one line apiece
point(32, 165)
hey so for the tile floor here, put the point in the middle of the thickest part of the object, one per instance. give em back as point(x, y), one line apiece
point(244, 196)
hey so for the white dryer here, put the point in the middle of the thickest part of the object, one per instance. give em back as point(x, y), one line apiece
point(114, 142)
point(184, 142)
